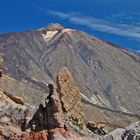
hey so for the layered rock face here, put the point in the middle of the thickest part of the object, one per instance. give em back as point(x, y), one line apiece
point(70, 97)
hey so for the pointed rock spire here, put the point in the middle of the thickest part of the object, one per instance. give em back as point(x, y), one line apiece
point(70, 97)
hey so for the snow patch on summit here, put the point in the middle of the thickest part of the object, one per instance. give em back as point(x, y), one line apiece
point(67, 30)
point(49, 35)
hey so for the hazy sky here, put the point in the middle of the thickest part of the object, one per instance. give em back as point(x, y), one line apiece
point(117, 21)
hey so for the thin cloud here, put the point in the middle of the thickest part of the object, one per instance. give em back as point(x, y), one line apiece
point(59, 14)
point(125, 30)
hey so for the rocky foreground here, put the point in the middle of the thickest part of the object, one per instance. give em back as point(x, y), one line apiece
point(61, 117)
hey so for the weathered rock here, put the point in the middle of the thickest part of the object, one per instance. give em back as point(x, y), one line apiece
point(98, 130)
point(62, 134)
point(130, 133)
point(10, 116)
point(109, 137)
point(54, 111)
point(1, 136)
point(35, 136)
point(54, 134)
point(115, 135)
point(70, 97)
point(16, 99)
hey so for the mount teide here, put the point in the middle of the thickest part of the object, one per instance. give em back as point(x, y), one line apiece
point(107, 75)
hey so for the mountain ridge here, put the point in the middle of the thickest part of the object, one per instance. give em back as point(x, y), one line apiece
point(103, 71)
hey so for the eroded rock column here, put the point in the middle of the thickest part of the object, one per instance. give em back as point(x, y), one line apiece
point(70, 97)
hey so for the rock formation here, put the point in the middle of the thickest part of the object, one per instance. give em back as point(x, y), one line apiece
point(130, 133)
point(16, 99)
point(70, 97)
point(46, 124)
point(48, 121)
point(54, 109)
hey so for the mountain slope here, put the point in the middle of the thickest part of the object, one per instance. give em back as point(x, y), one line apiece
point(107, 75)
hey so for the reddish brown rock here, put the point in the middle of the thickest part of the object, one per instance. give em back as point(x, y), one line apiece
point(35, 136)
point(70, 96)
point(1, 136)
point(57, 133)
point(54, 111)
point(63, 134)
